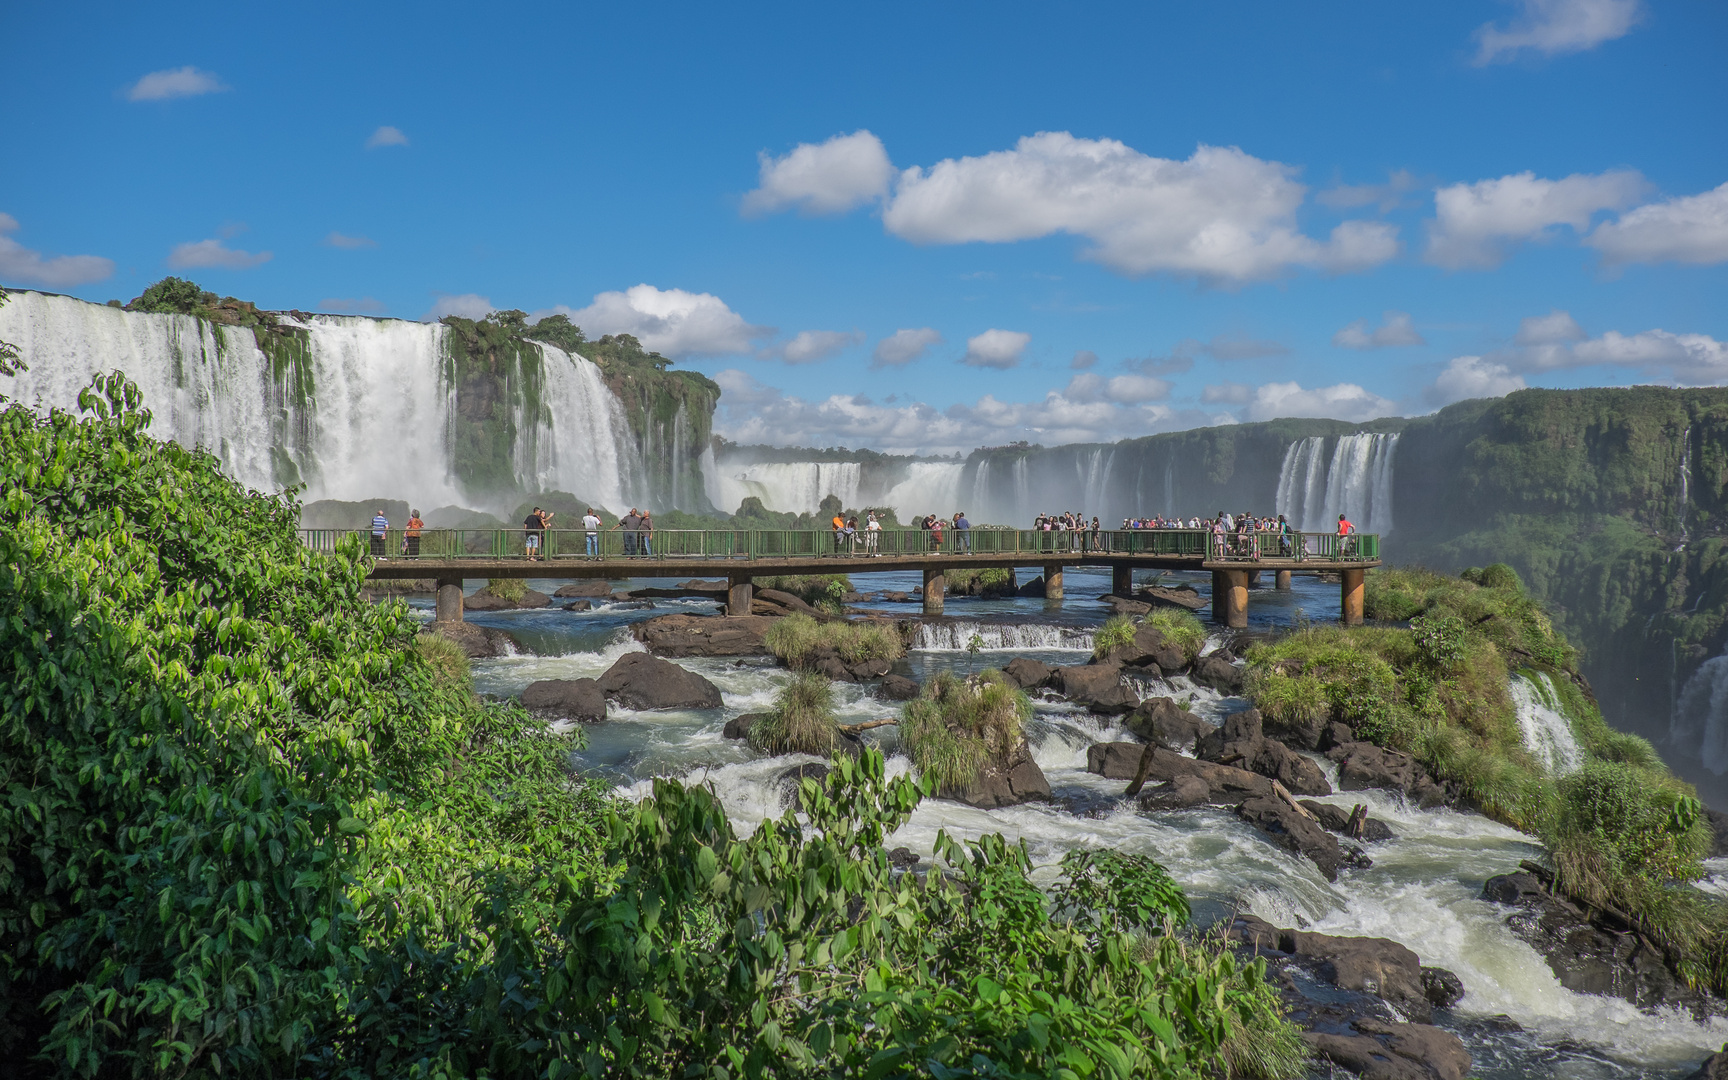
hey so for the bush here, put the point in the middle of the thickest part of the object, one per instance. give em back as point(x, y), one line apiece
point(1181, 628)
point(810, 588)
point(802, 720)
point(799, 641)
point(446, 660)
point(1115, 633)
point(511, 589)
point(989, 581)
point(956, 724)
point(174, 296)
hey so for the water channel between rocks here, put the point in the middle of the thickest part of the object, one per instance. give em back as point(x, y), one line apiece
point(1423, 889)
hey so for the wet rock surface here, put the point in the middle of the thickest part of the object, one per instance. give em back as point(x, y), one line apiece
point(1715, 1067)
point(485, 601)
point(566, 699)
point(1241, 742)
point(1028, 674)
point(1293, 830)
point(897, 688)
point(641, 681)
point(1005, 780)
point(1348, 823)
point(677, 636)
point(1162, 721)
point(1363, 765)
point(592, 590)
point(739, 726)
point(1719, 825)
point(479, 642)
point(1099, 687)
point(1218, 673)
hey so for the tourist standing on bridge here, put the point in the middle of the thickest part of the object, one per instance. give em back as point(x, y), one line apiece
point(380, 526)
point(645, 532)
point(411, 535)
point(935, 533)
point(533, 531)
point(1286, 538)
point(630, 523)
point(838, 524)
point(1346, 533)
point(872, 535)
point(850, 532)
point(591, 526)
point(962, 533)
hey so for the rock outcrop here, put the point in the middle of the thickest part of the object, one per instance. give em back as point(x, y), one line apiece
point(1148, 649)
point(1099, 687)
point(479, 642)
point(1147, 763)
point(1218, 673)
point(1242, 742)
point(484, 600)
point(1162, 721)
point(589, 590)
point(1028, 674)
point(1005, 781)
point(1346, 823)
point(678, 636)
point(641, 681)
point(566, 699)
point(1364, 765)
point(1295, 831)
point(1715, 1066)
point(896, 688)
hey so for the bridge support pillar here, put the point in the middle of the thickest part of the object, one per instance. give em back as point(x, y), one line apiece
point(1121, 581)
point(1350, 598)
point(1282, 580)
point(1230, 598)
point(1053, 581)
point(1253, 577)
point(449, 600)
point(935, 585)
point(740, 591)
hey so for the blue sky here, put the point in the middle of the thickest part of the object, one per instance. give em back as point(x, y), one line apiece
point(1081, 222)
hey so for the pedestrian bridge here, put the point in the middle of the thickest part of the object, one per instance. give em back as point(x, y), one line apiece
point(448, 556)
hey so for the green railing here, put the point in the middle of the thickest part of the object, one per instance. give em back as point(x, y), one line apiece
point(670, 544)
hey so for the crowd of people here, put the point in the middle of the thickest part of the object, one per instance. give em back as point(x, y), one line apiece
point(847, 532)
point(1240, 535)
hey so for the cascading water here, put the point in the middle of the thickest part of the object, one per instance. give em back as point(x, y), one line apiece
point(930, 487)
point(1354, 480)
point(957, 636)
point(1547, 733)
point(1699, 727)
point(584, 436)
point(787, 487)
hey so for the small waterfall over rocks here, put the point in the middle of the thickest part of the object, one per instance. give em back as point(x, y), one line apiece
point(1547, 733)
point(956, 635)
point(1353, 479)
point(1698, 728)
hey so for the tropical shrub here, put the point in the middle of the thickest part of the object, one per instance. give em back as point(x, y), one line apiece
point(1115, 633)
point(802, 720)
point(798, 641)
point(1181, 628)
point(956, 724)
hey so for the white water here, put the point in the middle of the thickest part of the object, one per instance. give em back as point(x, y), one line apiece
point(787, 487)
point(1699, 726)
point(957, 635)
point(1547, 732)
point(930, 487)
point(1354, 479)
point(371, 413)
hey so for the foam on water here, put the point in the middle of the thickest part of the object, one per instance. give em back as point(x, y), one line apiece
point(955, 635)
point(1547, 733)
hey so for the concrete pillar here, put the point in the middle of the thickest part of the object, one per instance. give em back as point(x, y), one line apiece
point(1236, 599)
point(935, 585)
point(1121, 581)
point(740, 591)
point(1350, 597)
point(1283, 581)
point(1053, 582)
point(449, 599)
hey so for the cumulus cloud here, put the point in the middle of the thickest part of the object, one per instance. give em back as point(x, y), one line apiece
point(1395, 330)
point(1472, 377)
point(349, 243)
point(672, 322)
point(809, 346)
point(1227, 393)
point(1551, 329)
point(365, 305)
point(214, 253)
point(21, 264)
point(186, 81)
point(1693, 229)
point(996, 349)
point(833, 177)
point(1385, 197)
point(1221, 215)
point(1342, 401)
point(903, 346)
point(1474, 223)
point(386, 136)
point(751, 412)
point(463, 305)
point(1555, 27)
point(1087, 387)
point(1555, 341)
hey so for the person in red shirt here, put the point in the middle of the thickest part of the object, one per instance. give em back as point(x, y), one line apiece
point(1345, 530)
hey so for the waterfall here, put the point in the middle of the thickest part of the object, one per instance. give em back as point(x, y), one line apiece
point(955, 635)
point(1699, 727)
point(788, 487)
point(1547, 733)
point(1685, 477)
point(1354, 480)
point(930, 487)
point(587, 448)
point(1094, 478)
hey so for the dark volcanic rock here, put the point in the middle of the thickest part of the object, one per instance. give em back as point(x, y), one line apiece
point(485, 601)
point(1184, 596)
point(1364, 765)
point(1027, 673)
point(865, 670)
point(641, 681)
point(479, 642)
point(1240, 742)
point(790, 602)
point(1218, 673)
point(1715, 1066)
point(1178, 794)
point(703, 635)
point(1096, 686)
point(903, 858)
point(1391, 1051)
point(894, 596)
point(1121, 606)
point(1443, 988)
point(593, 590)
point(1161, 720)
point(897, 688)
point(1293, 830)
point(1718, 823)
point(1378, 966)
point(1124, 761)
point(739, 726)
point(1337, 819)
point(1148, 648)
point(1035, 587)
point(1005, 781)
point(810, 770)
point(569, 699)
point(579, 605)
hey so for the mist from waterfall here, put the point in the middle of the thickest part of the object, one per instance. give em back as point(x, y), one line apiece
point(930, 487)
point(1354, 478)
point(787, 487)
point(1698, 729)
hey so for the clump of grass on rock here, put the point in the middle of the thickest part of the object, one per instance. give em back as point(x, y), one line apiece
point(511, 589)
point(956, 724)
point(1181, 628)
point(802, 720)
point(1114, 634)
point(799, 641)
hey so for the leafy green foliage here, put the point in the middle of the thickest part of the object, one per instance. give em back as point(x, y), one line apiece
point(174, 296)
point(802, 720)
point(11, 363)
point(1123, 892)
point(800, 641)
point(511, 589)
point(988, 581)
point(810, 588)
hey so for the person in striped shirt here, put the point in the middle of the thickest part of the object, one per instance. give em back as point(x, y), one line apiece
point(380, 526)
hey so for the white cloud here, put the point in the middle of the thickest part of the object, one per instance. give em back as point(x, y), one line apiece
point(1472, 377)
point(386, 136)
point(213, 253)
point(1395, 330)
point(672, 322)
point(1385, 197)
point(1222, 214)
point(1475, 222)
point(21, 264)
point(187, 81)
point(996, 349)
point(1693, 229)
point(1083, 359)
point(349, 243)
point(365, 305)
point(1136, 389)
point(903, 346)
point(832, 177)
point(808, 346)
point(1550, 329)
point(1554, 27)
point(1229, 393)
point(1343, 401)
point(463, 305)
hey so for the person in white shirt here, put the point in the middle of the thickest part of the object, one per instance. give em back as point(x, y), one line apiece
point(591, 525)
point(872, 531)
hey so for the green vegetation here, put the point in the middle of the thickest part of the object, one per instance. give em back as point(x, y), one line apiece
point(1622, 833)
point(956, 724)
point(799, 641)
point(511, 589)
point(1180, 628)
point(810, 588)
point(10, 362)
point(989, 581)
point(802, 720)
point(1116, 632)
point(254, 826)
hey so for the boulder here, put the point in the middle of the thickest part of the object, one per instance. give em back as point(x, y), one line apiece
point(479, 642)
point(1148, 648)
point(1185, 597)
point(865, 670)
point(1715, 1067)
point(592, 590)
point(1443, 988)
point(579, 605)
point(1337, 819)
point(1035, 587)
point(1027, 673)
point(902, 858)
point(896, 688)
point(1126, 760)
point(1218, 673)
point(642, 681)
point(790, 602)
point(1377, 966)
point(678, 636)
point(1005, 781)
point(709, 590)
point(1719, 825)
point(1096, 686)
point(1364, 765)
point(566, 699)
point(1178, 794)
point(1162, 721)
point(810, 770)
point(894, 596)
point(1391, 1051)
point(739, 726)
point(1122, 606)
point(485, 601)
point(1240, 742)
point(1294, 831)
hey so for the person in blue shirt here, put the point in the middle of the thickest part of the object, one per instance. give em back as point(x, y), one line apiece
point(380, 526)
point(962, 532)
